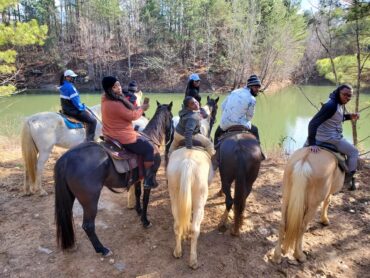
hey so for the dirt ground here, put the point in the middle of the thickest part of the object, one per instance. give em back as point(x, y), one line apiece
point(28, 245)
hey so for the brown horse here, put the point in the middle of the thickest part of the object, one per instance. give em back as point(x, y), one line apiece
point(240, 159)
point(309, 179)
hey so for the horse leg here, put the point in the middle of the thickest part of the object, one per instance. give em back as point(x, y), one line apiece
point(198, 213)
point(324, 213)
point(43, 157)
point(144, 219)
point(130, 197)
point(27, 190)
point(229, 203)
point(90, 208)
point(137, 197)
point(298, 251)
point(276, 258)
point(177, 253)
point(240, 196)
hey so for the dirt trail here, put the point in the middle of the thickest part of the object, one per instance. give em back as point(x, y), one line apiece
point(27, 233)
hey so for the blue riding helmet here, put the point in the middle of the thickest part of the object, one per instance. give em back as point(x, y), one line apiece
point(194, 77)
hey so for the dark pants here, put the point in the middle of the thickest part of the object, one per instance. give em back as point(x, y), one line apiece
point(90, 121)
point(141, 147)
point(253, 130)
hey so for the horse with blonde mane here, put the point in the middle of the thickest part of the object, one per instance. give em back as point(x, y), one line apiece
point(189, 173)
point(309, 179)
point(42, 131)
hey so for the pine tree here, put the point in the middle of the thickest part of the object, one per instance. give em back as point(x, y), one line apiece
point(12, 35)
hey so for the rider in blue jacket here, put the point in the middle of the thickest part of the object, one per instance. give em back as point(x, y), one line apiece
point(72, 106)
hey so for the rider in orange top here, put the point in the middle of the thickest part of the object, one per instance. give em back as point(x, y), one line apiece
point(117, 116)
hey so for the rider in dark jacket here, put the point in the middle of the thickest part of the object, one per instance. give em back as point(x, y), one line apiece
point(326, 126)
point(192, 89)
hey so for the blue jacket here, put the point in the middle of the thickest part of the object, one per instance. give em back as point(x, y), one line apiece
point(70, 99)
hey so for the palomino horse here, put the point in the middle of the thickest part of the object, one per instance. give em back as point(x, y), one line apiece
point(189, 173)
point(309, 179)
point(82, 172)
point(41, 132)
point(240, 159)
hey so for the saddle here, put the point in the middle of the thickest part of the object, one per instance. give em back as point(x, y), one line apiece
point(341, 158)
point(197, 144)
point(71, 122)
point(233, 130)
point(123, 160)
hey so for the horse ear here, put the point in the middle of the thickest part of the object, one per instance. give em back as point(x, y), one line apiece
point(217, 99)
point(170, 106)
point(158, 104)
point(207, 98)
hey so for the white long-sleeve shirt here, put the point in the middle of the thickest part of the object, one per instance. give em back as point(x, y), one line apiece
point(238, 109)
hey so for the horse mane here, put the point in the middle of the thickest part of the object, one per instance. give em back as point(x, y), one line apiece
point(157, 124)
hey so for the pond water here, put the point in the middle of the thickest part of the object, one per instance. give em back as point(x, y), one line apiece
point(282, 117)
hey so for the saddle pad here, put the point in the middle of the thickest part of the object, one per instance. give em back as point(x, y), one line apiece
point(72, 125)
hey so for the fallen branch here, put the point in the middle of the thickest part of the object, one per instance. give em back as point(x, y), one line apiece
point(307, 98)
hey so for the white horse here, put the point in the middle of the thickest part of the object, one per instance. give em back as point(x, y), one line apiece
point(42, 131)
point(189, 173)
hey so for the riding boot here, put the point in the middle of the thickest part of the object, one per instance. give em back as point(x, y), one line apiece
point(149, 178)
point(349, 181)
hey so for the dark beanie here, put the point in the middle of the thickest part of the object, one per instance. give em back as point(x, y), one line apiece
point(132, 86)
point(108, 82)
point(253, 80)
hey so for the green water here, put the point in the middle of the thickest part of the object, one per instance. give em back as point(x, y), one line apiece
point(284, 114)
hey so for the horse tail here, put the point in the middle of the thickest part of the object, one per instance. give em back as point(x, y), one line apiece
point(296, 202)
point(29, 152)
point(64, 200)
point(240, 187)
point(184, 196)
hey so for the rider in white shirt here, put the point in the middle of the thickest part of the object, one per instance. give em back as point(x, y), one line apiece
point(238, 108)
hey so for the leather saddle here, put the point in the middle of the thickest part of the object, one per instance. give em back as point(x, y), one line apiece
point(196, 144)
point(231, 131)
point(124, 161)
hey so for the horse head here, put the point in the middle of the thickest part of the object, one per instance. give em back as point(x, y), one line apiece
point(211, 110)
point(159, 127)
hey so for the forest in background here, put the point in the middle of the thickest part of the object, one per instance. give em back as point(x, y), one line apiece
point(159, 42)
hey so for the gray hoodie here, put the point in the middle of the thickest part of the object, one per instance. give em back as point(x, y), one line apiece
point(188, 125)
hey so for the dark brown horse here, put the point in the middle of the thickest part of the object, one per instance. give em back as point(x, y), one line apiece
point(83, 171)
point(240, 160)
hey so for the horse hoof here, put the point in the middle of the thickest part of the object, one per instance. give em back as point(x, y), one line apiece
point(107, 253)
point(194, 265)
point(43, 193)
point(222, 228)
point(26, 194)
point(220, 193)
point(235, 234)
point(325, 222)
point(301, 258)
point(177, 254)
point(139, 212)
point(147, 225)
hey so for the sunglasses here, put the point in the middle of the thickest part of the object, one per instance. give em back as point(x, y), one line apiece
point(347, 95)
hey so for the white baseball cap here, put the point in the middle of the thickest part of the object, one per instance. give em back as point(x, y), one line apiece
point(70, 73)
